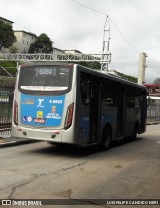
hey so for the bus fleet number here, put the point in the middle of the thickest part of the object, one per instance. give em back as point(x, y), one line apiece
point(45, 71)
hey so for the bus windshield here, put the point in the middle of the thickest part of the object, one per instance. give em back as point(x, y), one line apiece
point(46, 78)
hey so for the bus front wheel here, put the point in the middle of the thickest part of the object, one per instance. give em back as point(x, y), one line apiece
point(106, 139)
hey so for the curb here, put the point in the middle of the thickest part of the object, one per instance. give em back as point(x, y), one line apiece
point(153, 123)
point(8, 142)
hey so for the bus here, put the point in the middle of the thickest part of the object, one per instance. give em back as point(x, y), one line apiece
point(69, 103)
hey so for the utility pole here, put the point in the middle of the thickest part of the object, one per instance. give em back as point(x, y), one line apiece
point(141, 68)
point(106, 55)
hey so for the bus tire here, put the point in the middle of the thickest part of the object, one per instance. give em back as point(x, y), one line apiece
point(106, 138)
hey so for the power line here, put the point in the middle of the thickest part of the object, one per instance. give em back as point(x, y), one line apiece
point(102, 13)
point(129, 43)
point(89, 7)
point(153, 69)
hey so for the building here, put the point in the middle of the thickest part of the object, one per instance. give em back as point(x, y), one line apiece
point(24, 40)
point(6, 21)
point(57, 51)
point(73, 52)
point(153, 89)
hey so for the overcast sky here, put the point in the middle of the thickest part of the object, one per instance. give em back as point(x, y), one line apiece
point(134, 25)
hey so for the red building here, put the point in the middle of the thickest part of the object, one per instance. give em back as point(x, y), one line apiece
point(153, 89)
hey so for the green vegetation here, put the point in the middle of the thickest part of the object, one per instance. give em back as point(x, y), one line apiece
point(10, 66)
point(43, 44)
point(92, 65)
point(128, 77)
point(7, 37)
point(6, 82)
point(97, 65)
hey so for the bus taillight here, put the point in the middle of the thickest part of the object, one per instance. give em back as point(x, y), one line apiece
point(15, 115)
point(69, 115)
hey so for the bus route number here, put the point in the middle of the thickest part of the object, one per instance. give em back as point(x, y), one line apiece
point(45, 71)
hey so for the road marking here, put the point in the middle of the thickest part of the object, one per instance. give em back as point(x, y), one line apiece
point(158, 142)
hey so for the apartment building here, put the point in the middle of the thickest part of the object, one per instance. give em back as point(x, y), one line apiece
point(6, 21)
point(24, 40)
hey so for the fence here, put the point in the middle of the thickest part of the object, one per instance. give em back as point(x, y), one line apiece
point(7, 85)
point(153, 112)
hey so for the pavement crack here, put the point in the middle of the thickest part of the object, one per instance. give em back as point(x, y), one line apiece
point(14, 188)
point(73, 166)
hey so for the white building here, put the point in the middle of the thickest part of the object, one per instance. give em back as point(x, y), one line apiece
point(24, 40)
point(73, 52)
point(57, 51)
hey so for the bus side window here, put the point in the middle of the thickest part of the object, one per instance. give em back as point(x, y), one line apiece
point(85, 91)
point(130, 101)
point(133, 100)
point(138, 101)
point(108, 95)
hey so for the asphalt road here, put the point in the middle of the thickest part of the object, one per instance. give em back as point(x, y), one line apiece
point(129, 170)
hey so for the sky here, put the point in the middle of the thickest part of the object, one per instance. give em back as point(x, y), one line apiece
point(134, 28)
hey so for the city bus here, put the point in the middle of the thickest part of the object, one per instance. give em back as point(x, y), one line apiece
point(69, 103)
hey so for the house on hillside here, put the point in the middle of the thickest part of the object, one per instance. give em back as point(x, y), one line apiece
point(24, 40)
point(6, 21)
point(57, 51)
point(73, 52)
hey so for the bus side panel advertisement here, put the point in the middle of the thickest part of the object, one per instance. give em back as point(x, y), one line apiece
point(41, 110)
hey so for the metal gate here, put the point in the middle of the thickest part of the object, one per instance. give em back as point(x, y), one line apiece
point(7, 85)
point(153, 113)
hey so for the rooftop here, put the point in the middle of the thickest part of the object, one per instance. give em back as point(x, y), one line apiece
point(22, 31)
point(1, 18)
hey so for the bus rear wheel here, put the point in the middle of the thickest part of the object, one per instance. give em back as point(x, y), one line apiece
point(106, 139)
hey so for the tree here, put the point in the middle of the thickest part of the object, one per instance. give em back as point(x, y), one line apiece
point(7, 37)
point(43, 44)
point(128, 77)
point(92, 65)
point(13, 49)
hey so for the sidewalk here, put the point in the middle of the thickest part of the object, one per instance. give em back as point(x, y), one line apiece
point(10, 141)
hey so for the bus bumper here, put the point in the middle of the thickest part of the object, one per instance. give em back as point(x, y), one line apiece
point(55, 135)
point(37, 134)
